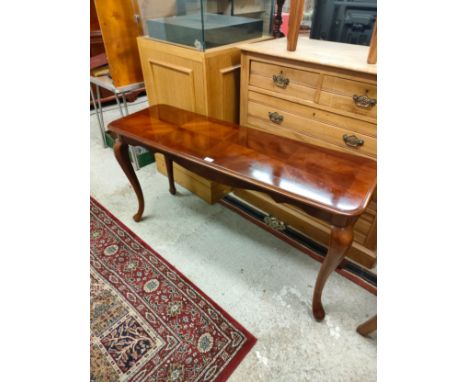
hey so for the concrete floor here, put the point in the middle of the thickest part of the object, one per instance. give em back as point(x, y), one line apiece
point(265, 284)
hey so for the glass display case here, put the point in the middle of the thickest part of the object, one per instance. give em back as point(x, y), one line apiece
point(204, 24)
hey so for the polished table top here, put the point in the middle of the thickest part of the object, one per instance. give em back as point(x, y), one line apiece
point(337, 182)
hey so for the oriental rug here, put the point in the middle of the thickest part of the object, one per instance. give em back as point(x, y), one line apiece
point(148, 321)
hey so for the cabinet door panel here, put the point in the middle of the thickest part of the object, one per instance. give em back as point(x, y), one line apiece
point(172, 78)
point(182, 93)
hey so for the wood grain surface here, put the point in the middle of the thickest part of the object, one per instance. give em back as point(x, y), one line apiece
point(326, 184)
point(309, 176)
point(119, 32)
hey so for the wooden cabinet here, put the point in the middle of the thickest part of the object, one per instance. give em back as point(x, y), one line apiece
point(324, 93)
point(203, 82)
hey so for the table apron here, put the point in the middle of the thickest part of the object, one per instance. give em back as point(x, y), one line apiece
point(227, 179)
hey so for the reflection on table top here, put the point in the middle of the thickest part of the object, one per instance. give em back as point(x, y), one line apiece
point(338, 182)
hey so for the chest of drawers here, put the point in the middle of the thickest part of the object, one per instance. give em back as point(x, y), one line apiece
point(324, 93)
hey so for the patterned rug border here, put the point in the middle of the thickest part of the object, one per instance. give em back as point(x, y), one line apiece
point(251, 339)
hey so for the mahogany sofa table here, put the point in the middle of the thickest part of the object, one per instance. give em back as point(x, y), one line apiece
point(333, 186)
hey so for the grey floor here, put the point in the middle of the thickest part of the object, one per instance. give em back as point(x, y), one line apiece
point(264, 283)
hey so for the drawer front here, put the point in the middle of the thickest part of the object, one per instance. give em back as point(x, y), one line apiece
point(335, 119)
point(281, 121)
point(348, 95)
point(284, 80)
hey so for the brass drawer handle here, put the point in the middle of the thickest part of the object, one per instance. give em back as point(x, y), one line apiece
point(280, 80)
point(275, 117)
point(364, 101)
point(352, 140)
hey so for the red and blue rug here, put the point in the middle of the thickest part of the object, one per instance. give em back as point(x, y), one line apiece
point(148, 321)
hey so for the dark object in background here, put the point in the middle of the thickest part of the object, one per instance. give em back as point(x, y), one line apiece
point(278, 19)
point(348, 21)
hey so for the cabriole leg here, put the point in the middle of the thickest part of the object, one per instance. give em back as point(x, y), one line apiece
point(340, 241)
point(122, 156)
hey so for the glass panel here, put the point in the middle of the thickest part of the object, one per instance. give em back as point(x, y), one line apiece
point(177, 21)
point(204, 24)
point(256, 9)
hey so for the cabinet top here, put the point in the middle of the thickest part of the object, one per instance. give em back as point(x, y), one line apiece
point(336, 54)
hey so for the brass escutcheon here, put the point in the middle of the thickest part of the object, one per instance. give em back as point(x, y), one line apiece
point(275, 117)
point(280, 80)
point(274, 223)
point(364, 101)
point(352, 140)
